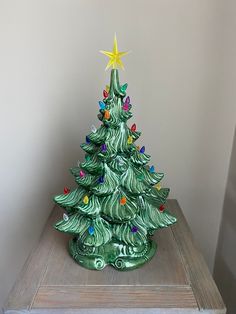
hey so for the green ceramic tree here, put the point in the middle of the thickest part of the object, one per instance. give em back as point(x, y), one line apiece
point(118, 202)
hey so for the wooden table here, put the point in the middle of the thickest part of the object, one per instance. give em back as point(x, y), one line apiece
point(176, 280)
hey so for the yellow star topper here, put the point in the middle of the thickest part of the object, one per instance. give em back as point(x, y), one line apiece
point(114, 56)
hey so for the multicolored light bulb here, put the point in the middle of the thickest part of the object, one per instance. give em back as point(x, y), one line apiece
point(152, 169)
point(101, 179)
point(142, 150)
point(161, 208)
point(103, 148)
point(102, 105)
point(91, 230)
point(107, 114)
point(133, 127)
point(93, 129)
point(66, 190)
point(124, 87)
point(81, 174)
point(87, 140)
point(134, 229)
point(125, 107)
point(127, 100)
point(123, 200)
point(130, 140)
point(86, 199)
point(105, 94)
point(65, 217)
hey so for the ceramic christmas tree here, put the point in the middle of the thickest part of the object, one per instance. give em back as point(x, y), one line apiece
point(118, 202)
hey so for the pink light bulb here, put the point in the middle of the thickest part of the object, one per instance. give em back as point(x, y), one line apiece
point(81, 174)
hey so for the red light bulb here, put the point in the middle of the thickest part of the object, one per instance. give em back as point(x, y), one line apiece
point(161, 208)
point(105, 94)
point(133, 127)
point(66, 190)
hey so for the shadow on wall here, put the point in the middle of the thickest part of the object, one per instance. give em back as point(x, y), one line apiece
point(225, 261)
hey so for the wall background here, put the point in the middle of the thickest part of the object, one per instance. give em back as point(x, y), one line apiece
point(52, 76)
point(225, 260)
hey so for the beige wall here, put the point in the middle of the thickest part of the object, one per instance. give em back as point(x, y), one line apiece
point(51, 77)
point(225, 262)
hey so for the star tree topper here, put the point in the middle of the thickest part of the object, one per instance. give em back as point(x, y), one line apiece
point(115, 56)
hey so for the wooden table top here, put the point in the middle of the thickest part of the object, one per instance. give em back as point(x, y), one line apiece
point(175, 281)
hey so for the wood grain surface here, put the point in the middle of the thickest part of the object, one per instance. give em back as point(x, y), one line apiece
point(204, 288)
point(176, 280)
point(113, 297)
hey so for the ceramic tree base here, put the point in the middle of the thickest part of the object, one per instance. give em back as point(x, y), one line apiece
point(122, 257)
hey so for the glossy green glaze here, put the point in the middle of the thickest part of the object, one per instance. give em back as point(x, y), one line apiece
point(122, 257)
point(115, 207)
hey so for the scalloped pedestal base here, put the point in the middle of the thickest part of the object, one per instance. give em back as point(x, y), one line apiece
point(117, 254)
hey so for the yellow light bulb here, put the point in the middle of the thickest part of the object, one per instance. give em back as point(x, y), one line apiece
point(86, 199)
point(130, 140)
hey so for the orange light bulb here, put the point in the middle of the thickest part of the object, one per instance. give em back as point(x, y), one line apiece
point(107, 114)
point(123, 200)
